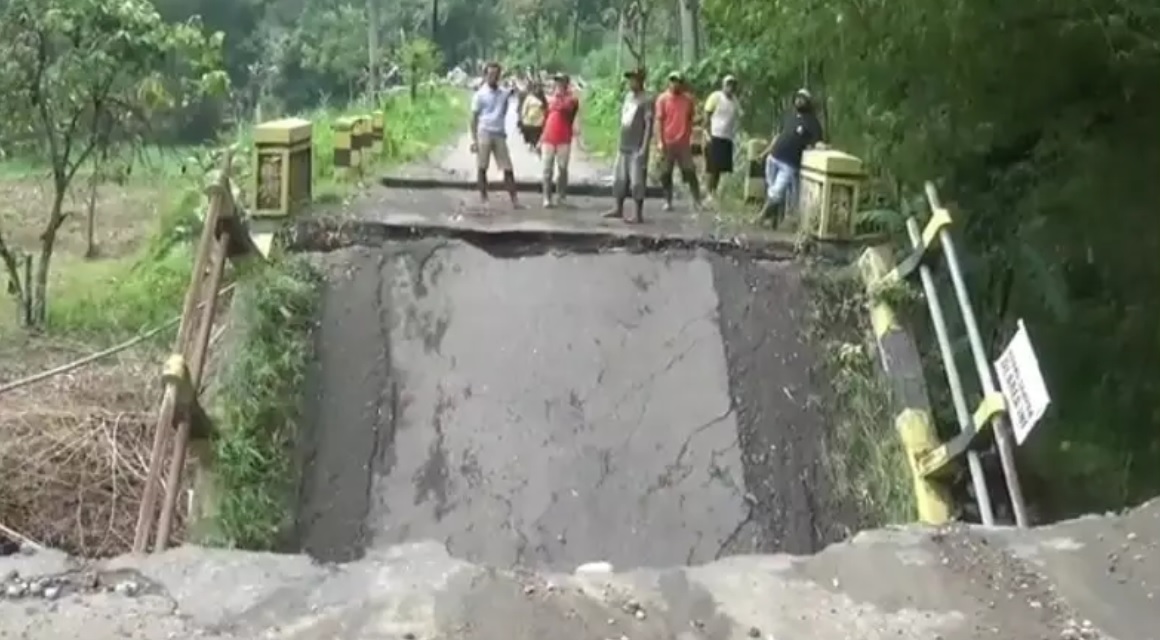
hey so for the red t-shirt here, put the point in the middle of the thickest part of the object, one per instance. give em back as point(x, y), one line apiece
point(561, 116)
point(675, 113)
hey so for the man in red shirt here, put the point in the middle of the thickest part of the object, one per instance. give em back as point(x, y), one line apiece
point(675, 110)
point(556, 141)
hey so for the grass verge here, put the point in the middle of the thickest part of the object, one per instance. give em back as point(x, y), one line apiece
point(50, 458)
point(256, 406)
point(864, 455)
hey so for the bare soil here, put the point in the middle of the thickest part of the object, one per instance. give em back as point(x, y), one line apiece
point(73, 448)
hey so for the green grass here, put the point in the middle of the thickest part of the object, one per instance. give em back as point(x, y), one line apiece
point(600, 118)
point(256, 409)
point(864, 455)
point(412, 130)
point(115, 298)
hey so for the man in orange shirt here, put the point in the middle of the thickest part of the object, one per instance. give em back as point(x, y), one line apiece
point(676, 109)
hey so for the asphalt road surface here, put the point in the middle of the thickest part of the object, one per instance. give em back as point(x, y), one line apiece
point(647, 409)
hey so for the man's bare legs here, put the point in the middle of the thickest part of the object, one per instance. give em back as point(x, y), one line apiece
point(630, 175)
point(481, 185)
point(667, 186)
point(509, 182)
point(561, 184)
point(689, 174)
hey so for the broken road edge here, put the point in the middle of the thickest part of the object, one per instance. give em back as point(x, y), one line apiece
point(531, 238)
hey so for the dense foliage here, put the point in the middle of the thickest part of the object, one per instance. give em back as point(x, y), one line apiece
point(1036, 119)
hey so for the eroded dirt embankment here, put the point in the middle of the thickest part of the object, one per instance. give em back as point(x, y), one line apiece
point(554, 408)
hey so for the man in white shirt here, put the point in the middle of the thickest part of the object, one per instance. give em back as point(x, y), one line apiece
point(489, 108)
point(723, 112)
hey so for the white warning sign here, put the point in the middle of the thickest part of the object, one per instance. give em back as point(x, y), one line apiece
point(1022, 384)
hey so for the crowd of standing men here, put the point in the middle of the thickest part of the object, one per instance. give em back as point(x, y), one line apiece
point(548, 125)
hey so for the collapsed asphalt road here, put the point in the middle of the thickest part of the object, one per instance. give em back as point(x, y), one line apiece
point(558, 407)
point(643, 409)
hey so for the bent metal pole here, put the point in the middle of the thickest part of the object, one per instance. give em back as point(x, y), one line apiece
point(1003, 439)
point(978, 479)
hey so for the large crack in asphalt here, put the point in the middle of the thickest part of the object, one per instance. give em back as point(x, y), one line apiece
point(549, 407)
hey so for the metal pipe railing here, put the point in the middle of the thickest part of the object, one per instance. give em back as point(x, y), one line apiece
point(999, 425)
point(978, 479)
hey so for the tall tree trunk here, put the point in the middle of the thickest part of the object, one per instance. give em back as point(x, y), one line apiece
point(619, 44)
point(91, 206)
point(576, 33)
point(373, 78)
point(690, 32)
point(47, 244)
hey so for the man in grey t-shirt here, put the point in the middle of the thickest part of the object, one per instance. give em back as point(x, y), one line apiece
point(631, 170)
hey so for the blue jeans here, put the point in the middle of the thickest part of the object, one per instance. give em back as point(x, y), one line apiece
point(780, 182)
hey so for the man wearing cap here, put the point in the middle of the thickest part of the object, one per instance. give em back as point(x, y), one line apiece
point(489, 108)
point(556, 141)
point(675, 111)
point(799, 130)
point(724, 113)
point(631, 169)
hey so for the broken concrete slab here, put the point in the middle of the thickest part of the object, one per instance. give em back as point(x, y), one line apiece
point(913, 583)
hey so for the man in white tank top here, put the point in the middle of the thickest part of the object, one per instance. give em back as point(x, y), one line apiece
point(723, 112)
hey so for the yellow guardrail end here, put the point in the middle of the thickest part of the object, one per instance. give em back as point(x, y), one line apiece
point(992, 405)
point(940, 219)
point(176, 374)
point(174, 370)
point(875, 265)
point(882, 319)
point(932, 499)
point(934, 460)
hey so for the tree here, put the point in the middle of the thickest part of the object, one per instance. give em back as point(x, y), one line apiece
point(419, 59)
point(74, 71)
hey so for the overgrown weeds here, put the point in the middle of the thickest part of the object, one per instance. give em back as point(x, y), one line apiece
point(73, 452)
point(256, 407)
point(864, 455)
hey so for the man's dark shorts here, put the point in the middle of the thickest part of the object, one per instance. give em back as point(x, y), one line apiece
point(719, 156)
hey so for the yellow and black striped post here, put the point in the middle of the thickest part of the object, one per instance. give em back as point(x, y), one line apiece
point(346, 155)
point(361, 140)
point(755, 171)
point(377, 132)
point(913, 420)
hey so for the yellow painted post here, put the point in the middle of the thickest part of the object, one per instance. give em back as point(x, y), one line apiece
point(283, 171)
point(913, 422)
point(362, 139)
point(755, 171)
point(377, 132)
point(831, 183)
point(346, 156)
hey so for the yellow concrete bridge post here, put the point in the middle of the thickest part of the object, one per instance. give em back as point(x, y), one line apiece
point(346, 155)
point(830, 186)
point(283, 176)
point(755, 171)
point(377, 132)
point(361, 140)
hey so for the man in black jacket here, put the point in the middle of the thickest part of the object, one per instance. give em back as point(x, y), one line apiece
point(800, 129)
